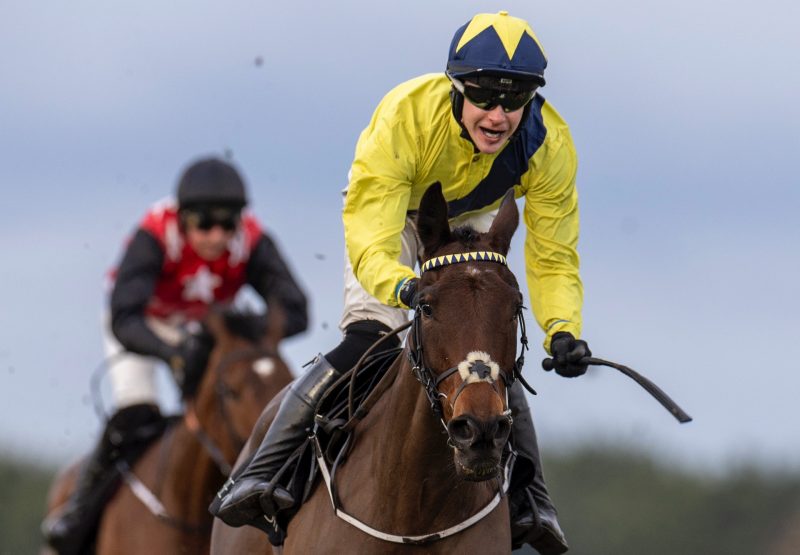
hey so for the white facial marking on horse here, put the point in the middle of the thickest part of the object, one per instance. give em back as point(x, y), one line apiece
point(465, 368)
point(264, 367)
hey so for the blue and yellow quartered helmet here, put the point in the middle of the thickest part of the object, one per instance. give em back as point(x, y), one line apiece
point(498, 45)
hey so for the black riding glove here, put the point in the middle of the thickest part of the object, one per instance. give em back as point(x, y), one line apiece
point(189, 363)
point(408, 292)
point(567, 353)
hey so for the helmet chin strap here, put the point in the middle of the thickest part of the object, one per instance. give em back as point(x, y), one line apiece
point(457, 107)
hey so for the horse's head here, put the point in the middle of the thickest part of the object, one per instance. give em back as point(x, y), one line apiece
point(244, 372)
point(466, 322)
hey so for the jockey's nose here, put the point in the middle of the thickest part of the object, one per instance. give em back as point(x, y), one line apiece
point(218, 233)
point(467, 432)
point(497, 114)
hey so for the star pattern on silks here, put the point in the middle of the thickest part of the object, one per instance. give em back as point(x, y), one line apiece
point(201, 285)
point(507, 30)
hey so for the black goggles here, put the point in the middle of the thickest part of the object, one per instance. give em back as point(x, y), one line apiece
point(208, 219)
point(487, 98)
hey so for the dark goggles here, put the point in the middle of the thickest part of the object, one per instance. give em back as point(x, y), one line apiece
point(209, 218)
point(487, 98)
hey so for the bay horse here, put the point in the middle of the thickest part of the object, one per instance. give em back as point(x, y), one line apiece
point(418, 480)
point(162, 504)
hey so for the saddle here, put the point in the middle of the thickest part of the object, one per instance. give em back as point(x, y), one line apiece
point(345, 403)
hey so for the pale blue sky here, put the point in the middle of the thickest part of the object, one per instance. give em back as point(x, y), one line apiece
point(687, 124)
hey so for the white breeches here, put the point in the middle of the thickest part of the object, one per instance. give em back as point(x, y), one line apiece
point(132, 376)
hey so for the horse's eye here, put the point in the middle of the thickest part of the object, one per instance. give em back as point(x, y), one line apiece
point(426, 309)
point(226, 391)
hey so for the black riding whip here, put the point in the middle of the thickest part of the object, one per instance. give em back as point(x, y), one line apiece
point(665, 400)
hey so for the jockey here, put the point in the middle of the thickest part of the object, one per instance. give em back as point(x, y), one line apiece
point(183, 257)
point(478, 129)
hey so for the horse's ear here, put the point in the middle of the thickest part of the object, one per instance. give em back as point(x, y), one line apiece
point(432, 224)
point(215, 323)
point(276, 325)
point(504, 224)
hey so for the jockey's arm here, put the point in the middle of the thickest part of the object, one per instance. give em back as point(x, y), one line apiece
point(376, 205)
point(551, 219)
point(133, 288)
point(269, 275)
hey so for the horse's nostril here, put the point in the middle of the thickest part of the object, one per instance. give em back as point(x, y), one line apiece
point(461, 430)
point(502, 431)
point(469, 433)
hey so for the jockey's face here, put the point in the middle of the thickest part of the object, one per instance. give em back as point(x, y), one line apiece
point(209, 244)
point(489, 129)
point(209, 229)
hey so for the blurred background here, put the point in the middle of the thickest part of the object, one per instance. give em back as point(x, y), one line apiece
point(687, 125)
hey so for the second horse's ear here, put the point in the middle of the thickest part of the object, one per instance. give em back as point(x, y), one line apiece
point(432, 224)
point(215, 324)
point(504, 224)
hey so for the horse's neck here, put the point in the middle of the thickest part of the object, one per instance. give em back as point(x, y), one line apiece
point(401, 451)
point(194, 475)
point(410, 436)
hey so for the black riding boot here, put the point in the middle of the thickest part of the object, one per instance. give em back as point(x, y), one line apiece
point(534, 519)
point(250, 495)
point(126, 435)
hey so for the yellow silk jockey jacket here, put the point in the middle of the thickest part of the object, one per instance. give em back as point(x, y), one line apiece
point(413, 141)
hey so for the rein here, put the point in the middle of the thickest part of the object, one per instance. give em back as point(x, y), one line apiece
point(213, 450)
point(224, 392)
point(153, 503)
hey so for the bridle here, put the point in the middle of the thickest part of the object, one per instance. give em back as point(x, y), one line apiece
point(472, 371)
point(224, 394)
point(479, 371)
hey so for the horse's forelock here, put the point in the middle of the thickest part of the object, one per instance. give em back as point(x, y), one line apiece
point(465, 238)
point(247, 325)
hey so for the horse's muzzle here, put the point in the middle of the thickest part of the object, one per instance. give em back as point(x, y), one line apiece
point(478, 445)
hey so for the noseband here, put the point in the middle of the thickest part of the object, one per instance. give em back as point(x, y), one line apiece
point(478, 368)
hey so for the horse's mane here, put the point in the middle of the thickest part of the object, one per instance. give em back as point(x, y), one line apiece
point(245, 324)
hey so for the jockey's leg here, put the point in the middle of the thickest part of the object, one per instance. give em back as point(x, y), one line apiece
point(534, 519)
point(126, 435)
point(246, 497)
